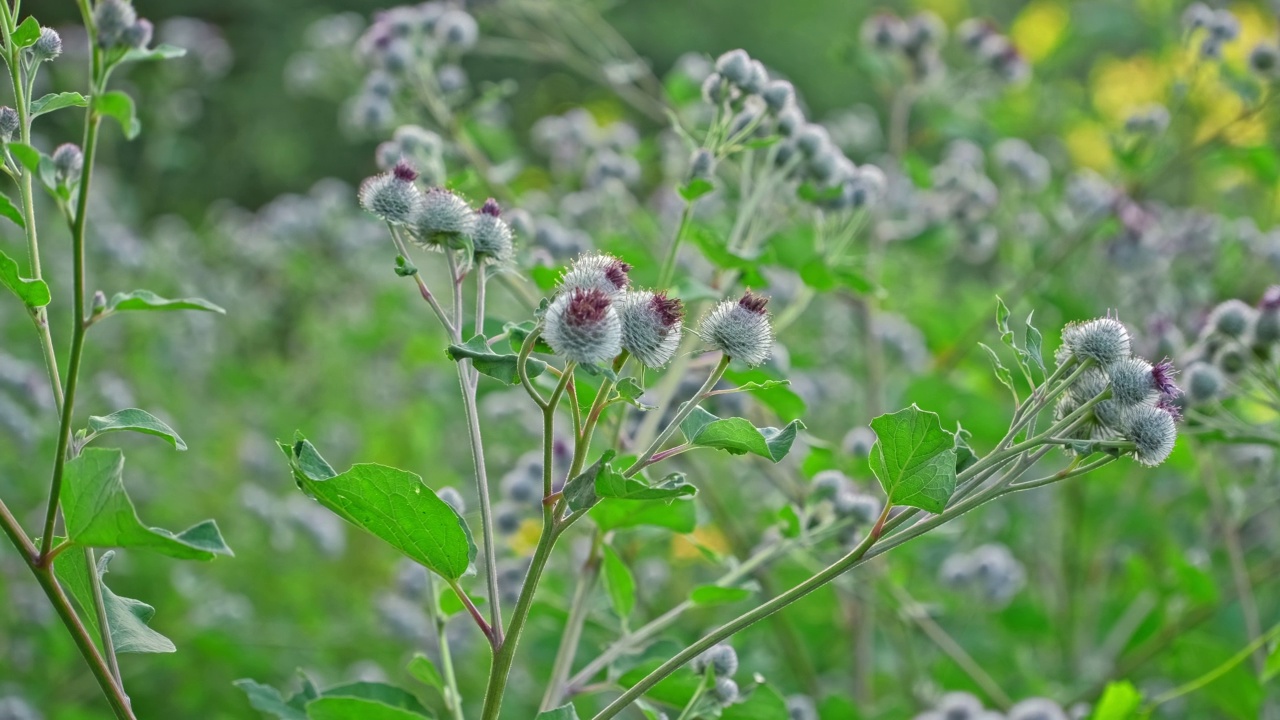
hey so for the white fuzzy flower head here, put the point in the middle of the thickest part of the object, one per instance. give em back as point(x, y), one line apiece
point(112, 19)
point(1092, 383)
point(1231, 318)
point(493, 237)
point(722, 658)
point(725, 691)
point(582, 325)
point(453, 499)
point(457, 30)
point(1152, 429)
point(444, 219)
point(740, 329)
point(1103, 340)
point(392, 195)
point(1133, 381)
point(597, 271)
point(651, 326)
point(48, 46)
point(1204, 381)
point(734, 66)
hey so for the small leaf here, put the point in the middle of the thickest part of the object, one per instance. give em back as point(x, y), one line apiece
point(501, 366)
point(1034, 344)
point(116, 104)
point(126, 617)
point(147, 300)
point(706, 595)
point(389, 695)
point(1002, 322)
point(1002, 373)
point(27, 33)
point(135, 420)
point(393, 505)
point(614, 514)
point(619, 583)
point(451, 604)
point(914, 459)
point(267, 699)
point(352, 708)
point(737, 436)
point(99, 512)
point(424, 671)
point(519, 332)
point(580, 491)
point(564, 712)
point(57, 101)
point(32, 293)
point(1271, 669)
point(779, 398)
point(28, 156)
point(629, 391)
point(1119, 701)
point(11, 211)
point(160, 52)
point(612, 484)
point(696, 188)
point(764, 703)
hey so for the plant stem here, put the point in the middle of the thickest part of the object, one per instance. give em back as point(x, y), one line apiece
point(452, 698)
point(572, 635)
point(100, 609)
point(684, 412)
point(1215, 673)
point(669, 262)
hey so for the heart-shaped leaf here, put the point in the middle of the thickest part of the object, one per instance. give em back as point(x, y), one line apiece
point(914, 459)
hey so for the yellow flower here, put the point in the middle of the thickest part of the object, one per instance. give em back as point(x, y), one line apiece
point(1039, 28)
point(1089, 145)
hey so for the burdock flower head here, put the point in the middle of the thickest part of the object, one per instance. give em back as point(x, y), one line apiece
point(1103, 340)
point(1152, 429)
point(493, 237)
point(113, 18)
point(68, 161)
point(392, 195)
point(48, 46)
point(651, 326)
point(1230, 318)
point(444, 219)
point(740, 329)
point(597, 271)
point(582, 325)
point(1134, 380)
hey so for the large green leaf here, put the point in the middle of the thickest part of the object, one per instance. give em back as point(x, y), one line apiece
point(57, 101)
point(564, 712)
point(737, 436)
point(354, 708)
point(134, 420)
point(147, 300)
point(32, 293)
point(613, 514)
point(502, 366)
point(99, 512)
point(393, 505)
point(914, 458)
point(619, 583)
point(126, 617)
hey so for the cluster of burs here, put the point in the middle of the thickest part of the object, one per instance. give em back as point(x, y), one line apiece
point(1214, 28)
point(1237, 340)
point(963, 706)
point(918, 41)
point(1116, 396)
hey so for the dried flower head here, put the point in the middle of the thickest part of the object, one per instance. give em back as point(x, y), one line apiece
point(598, 271)
point(443, 220)
point(1103, 340)
point(582, 325)
point(651, 326)
point(392, 196)
point(740, 329)
point(492, 238)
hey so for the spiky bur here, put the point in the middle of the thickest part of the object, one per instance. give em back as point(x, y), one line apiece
point(48, 46)
point(740, 329)
point(652, 324)
point(726, 691)
point(1152, 429)
point(860, 507)
point(1231, 318)
point(392, 196)
point(1103, 340)
point(1266, 326)
point(1134, 380)
point(734, 66)
point(597, 271)
point(68, 161)
point(453, 499)
point(582, 325)
point(138, 35)
point(722, 658)
point(443, 220)
point(493, 238)
point(8, 123)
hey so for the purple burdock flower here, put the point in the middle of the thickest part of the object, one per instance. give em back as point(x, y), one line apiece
point(491, 208)
point(651, 326)
point(1162, 375)
point(404, 172)
point(583, 326)
point(740, 329)
point(599, 271)
point(1270, 299)
point(1167, 404)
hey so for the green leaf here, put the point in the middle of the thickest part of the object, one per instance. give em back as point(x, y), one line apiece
point(147, 300)
point(564, 712)
point(11, 211)
point(718, 595)
point(1002, 373)
point(389, 695)
point(393, 505)
point(1120, 701)
point(57, 101)
point(614, 514)
point(163, 51)
point(580, 491)
point(424, 671)
point(517, 333)
point(696, 188)
point(619, 583)
point(116, 104)
point(1002, 322)
point(914, 458)
point(502, 366)
point(352, 708)
point(1271, 670)
point(611, 484)
point(764, 703)
point(267, 699)
point(451, 604)
point(28, 156)
point(629, 391)
point(126, 617)
point(32, 293)
point(737, 436)
point(779, 398)
point(1033, 343)
point(99, 512)
point(27, 33)
point(135, 420)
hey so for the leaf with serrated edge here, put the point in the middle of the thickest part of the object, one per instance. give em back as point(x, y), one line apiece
point(914, 459)
point(135, 420)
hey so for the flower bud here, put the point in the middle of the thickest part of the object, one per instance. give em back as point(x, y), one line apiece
point(506, 517)
point(811, 139)
point(1204, 382)
point(453, 499)
point(702, 165)
point(651, 326)
point(48, 46)
point(1149, 120)
point(858, 441)
point(492, 236)
point(98, 304)
point(8, 123)
point(1231, 359)
point(925, 29)
point(725, 691)
point(721, 658)
point(974, 31)
point(1103, 340)
point(138, 35)
point(714, 89)
point(827, 484)
point(1231, 318)
point(456, 30)
point(68, 161)
point(756, 78)
point(865, 186)
point(113, 18)
point(444, 219)
point(740, 329)
point(1197, 16)
point(801, 707)
point(582, 325)
point(1264, 60)
point(778, 95)
point(734, 66)
point(789, 121)
point(858, 506)
point(959, 706)
point(1091, 383)
point(392, 196)
point(1153, 431)
point(597, 271)
point(884, 31)
point(1224, 26)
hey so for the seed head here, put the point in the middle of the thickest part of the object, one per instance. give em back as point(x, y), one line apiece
point(453, 499)
point(1204, 382)
point(444, 219)
point(598, 271)
point(392, 196)
point(1152, 429)
point(582, 325)
point(1231, 318)
point(722, 658)
point(492, 237)
point(725, 691)
point(778, 95)
point(8, 122)
point(48, 46)
point(1103, 340)
point(651, 326)
point(68, 161)
point(457, 30)
point(113, 18)
point(740, 329)
point(734, 66)
point(138, 35)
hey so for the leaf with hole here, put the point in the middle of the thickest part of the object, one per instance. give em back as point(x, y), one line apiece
point(914, 459)
point(26, 34)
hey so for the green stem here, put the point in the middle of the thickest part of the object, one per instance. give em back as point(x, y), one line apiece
point(100, 609)
point(685, 410)
point(669, 262)
point(1215, 673)
point(452, 698)
point(572, 635)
